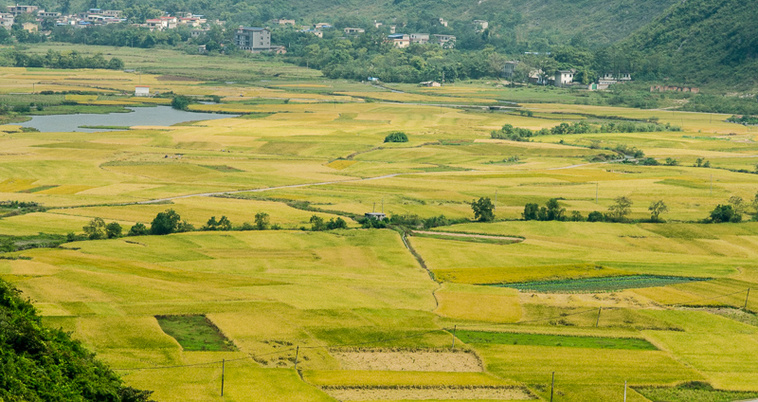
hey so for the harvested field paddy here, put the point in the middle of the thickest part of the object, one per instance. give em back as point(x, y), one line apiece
point(442, 393)
point(410, 360)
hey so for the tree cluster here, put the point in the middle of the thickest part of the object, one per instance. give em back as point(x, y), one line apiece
point(318, 224)
point(509, 132)
point(74, 59)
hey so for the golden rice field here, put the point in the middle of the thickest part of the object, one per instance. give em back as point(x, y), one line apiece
point(296, 302)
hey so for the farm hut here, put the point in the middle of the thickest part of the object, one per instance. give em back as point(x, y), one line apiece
point(141, 91)
point(376, 215)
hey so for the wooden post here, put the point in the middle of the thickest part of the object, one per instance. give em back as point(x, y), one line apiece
point(624, 391)
point(454, 328)
point(223, 369)
point(297, 355)
point(552, 387)
point(598, 317)
point(746, 298)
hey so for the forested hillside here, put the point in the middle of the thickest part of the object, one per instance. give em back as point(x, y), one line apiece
point(42, 364)
point(703, 41)
point(535, 24)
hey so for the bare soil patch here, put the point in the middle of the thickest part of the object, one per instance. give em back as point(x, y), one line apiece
point(441, 393)
point(445, 361)
point(175, 78)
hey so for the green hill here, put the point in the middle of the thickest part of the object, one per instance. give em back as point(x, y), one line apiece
point(42, 364)
point(702, 42)
point(535, 24)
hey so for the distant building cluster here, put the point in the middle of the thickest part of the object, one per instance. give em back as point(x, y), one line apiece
point(565, 78)
point(401, 41)
point(98, 17)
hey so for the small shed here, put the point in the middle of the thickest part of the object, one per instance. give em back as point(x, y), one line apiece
point(141, 91)
point(376, 215)
point(430, 84)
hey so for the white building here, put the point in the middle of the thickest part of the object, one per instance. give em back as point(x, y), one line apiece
point(564, 77)
point(253, 39)
point(141, 91)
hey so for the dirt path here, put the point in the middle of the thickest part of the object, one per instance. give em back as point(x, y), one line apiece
point(477, 236)
point(260, 190)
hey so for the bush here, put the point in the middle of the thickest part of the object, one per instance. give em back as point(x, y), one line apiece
point(595, 216)
point(725, 213)
point(397, 136)
point(139, 230)
point(165, 223)
point(181, 102)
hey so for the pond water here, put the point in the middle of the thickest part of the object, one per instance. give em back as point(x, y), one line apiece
point(139, 116)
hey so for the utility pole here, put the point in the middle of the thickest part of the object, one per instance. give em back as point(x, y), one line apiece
point(297, 355)
point(598, 317)
point(223, 369)
point(495, 206)
point(746, 298)
point(552, 387)
point(624, 391)
point(597, 189)
point(454, 328)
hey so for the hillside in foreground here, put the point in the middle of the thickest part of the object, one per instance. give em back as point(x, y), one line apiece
point(42, 364)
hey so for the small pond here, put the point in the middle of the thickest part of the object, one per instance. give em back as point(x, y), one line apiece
point(139, 116)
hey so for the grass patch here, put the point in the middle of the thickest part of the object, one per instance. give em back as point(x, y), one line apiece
point(512, 338)
point(222, 168)
point(694, 391)
point(106, 127)
point(37, 189)
point(591, 285)
point(195, 333)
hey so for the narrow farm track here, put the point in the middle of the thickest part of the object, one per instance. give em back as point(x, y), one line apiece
point(470, 235)
point(260, 190)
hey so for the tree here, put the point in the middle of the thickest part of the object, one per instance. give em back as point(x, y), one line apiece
point(672, 162)
point(338, 223)
point(165, 222)
point(113, 230)
point(483, 210)
point(737, 203)
point(317, 223)
point(397, 136)
point(576, 216)
point(95, 229)
point(138, 230)
point(656, 209)
point(618, 211)
point(595, 216)
point(725, 213)
point(554, 210)
point(530, 212)
point(181, 102)
point(261, 221)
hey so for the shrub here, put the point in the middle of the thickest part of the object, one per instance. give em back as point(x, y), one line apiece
point(397, 136)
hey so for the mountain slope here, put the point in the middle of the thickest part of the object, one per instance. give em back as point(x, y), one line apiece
point(703, 41)
point(539, 22)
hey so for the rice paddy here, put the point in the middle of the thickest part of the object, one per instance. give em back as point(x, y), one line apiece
point(351, 313)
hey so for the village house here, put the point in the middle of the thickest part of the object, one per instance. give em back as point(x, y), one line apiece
point(323, 25)
point(564, 77)
point(445, 41)
point(7, 20)
point(481, 25)
point(19, 9)
point(377, 24)
point(442, 22)
point(283, 22)
point(375, 215)
point(30, 27)
point(400, 41)
point(48, 14)
point(509, 69)
point(141, 91)
point(420, 38)
point(350, 31)
point(253, 39)
point(430, 84)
